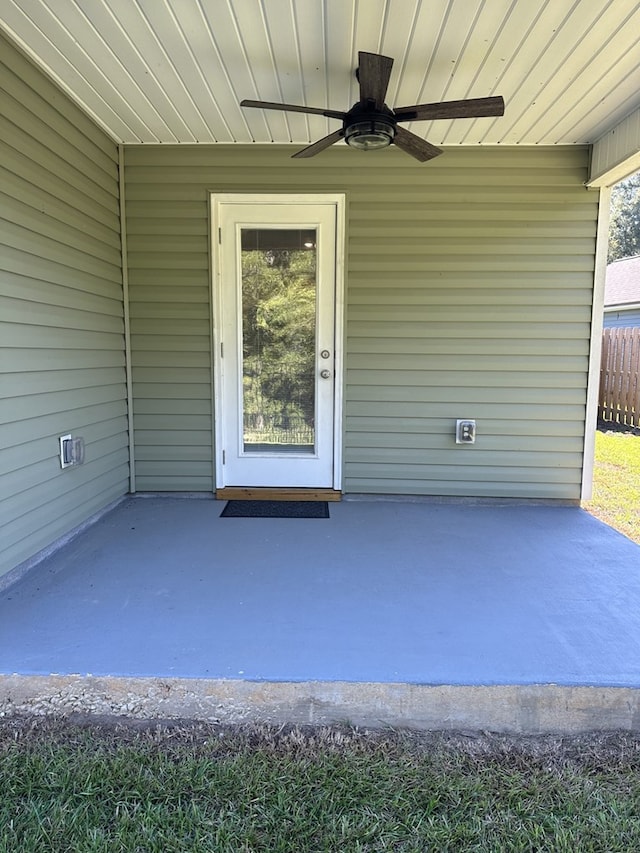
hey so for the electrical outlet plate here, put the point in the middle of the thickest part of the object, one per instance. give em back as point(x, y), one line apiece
point(71, 450)
point(465, 431)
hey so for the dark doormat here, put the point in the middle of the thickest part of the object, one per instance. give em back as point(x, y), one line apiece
point(275, 509)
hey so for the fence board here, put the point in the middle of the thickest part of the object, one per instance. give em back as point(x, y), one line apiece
point(619, 400)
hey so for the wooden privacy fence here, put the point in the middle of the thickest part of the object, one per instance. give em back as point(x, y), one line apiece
point(619, 399)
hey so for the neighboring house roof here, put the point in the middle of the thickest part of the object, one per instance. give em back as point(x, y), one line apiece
point(622, 285)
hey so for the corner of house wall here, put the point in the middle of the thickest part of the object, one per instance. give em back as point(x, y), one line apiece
point(595, 345)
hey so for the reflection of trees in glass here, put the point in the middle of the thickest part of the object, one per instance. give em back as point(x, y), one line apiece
point(278, 323)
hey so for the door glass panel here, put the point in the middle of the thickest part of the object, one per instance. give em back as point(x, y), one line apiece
point(278, 340)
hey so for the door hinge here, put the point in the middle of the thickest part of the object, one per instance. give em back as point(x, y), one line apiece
point(224, 457)
point(219, 235)
point(221, 349)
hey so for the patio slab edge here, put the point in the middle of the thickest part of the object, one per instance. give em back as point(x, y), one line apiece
point(517, 709)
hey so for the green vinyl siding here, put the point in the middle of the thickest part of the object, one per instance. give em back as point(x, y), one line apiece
point(62, 363)
point(468, 294)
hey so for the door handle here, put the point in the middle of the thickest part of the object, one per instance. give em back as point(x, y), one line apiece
point(326, 374)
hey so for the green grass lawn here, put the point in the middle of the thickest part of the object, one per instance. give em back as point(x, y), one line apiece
point(616, 482)
point(198, 789)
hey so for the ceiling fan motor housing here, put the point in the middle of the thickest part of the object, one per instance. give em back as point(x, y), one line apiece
point(367, 128)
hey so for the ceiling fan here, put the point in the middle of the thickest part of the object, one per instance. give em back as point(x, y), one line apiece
point(370, 124)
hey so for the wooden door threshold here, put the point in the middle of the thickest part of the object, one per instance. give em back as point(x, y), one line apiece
point(250, 493)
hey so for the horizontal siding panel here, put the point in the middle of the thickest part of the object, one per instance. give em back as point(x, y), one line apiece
point(48, 381)
point(573, 214)
point(173, 244)
point(171, 391)
point(50, 426)
point(445, 177)
point(45, 447)
point(23, 510)
point(489, 330)
point(180, 452)
point(39, 314)
point(456, 472)
point(462, 347)
point(160, 329)
point(180, 483)
point(185, 344)
point(401, 264)
point(33, 290)
point(148, 424)
point(169, 359)
point(474, 488)
point(476, 282)
point(442, 440)
point(486, 379)
point(22, 80)
point(509, 314)
point(170, 261)
point(156, 408)
point(143, 279)
point(51, 403)
point(37, 177)
point(145, 217)
point(166, 439)
point(36, 222)
point(481, 233)
point(26, 360)
point(437, 246)
point(622, 319)
point(469, 289)
point(370, 361)
point(509, 411)
point(196, 375)
point(53, 209)
point(482, 458)
point(33, 476)
point(464, 394)
point(77, 256)
point(34, 268)
point(441, 297)
point(17, 334)
point(156, 295)
point(407, 429)
point(173, 310)
point(27, 159)
point(175, 468)
point(25, 131)
point(561, 157)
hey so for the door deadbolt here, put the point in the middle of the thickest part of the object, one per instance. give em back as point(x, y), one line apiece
point(325, 353)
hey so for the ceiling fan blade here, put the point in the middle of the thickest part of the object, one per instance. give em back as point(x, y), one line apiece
point(292, 108)
point(470, 108)
point(374, 72)
point(414, 145)
point(320, 145)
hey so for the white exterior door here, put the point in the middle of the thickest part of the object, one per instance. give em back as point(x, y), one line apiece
point(275, 261)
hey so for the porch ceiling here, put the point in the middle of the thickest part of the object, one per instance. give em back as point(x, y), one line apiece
point(174, 71)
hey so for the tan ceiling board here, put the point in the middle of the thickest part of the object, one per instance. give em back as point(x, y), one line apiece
point(176, 70)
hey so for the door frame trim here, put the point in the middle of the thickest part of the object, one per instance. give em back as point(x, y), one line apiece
point(251, 198)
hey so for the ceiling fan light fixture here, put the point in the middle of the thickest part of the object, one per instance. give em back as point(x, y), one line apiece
point(370, 134)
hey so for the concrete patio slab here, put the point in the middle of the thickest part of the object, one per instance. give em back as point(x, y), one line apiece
point(414, 611)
